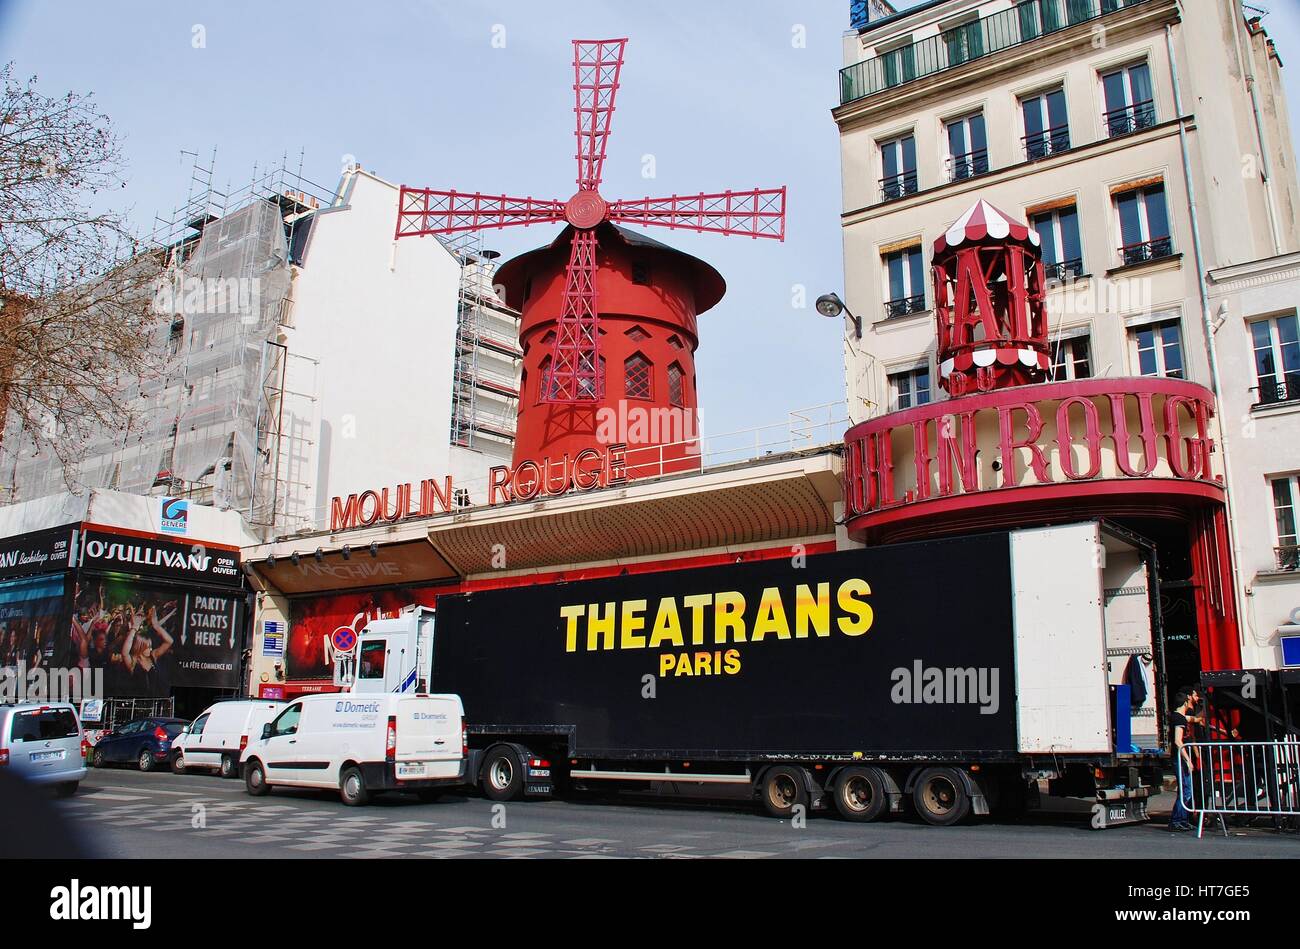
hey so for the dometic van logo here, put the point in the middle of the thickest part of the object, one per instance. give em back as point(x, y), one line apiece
point(430, 717)
point(74, 902)
point(721, 620)
point(934, 685)
point(175, 516)
point(352, 708)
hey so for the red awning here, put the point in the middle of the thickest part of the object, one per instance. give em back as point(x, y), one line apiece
point(984, 223)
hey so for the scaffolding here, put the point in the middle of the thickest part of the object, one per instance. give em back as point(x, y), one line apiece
point(485, 379)
point(231, 420)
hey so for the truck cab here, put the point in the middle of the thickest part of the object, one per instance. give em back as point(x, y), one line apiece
point(391, 656)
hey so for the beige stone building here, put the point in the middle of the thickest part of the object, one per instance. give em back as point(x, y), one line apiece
point(1148, 143)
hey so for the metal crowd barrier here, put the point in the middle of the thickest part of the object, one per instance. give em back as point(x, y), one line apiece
point(1242, 779)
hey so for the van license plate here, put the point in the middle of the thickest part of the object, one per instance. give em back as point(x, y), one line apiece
point(408, 771)
point(47, 755)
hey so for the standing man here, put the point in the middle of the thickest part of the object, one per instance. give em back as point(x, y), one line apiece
point(1181, 731)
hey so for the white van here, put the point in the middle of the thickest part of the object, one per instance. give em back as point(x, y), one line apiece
point(360, 745)
point(216, 738)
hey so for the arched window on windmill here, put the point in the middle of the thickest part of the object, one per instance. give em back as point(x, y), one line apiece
point(636, 377)
point(676, 385)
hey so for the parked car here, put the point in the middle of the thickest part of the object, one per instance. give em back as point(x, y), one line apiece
point(216, 738)
point(145, 742)
point(41, 742)
point(359, 745)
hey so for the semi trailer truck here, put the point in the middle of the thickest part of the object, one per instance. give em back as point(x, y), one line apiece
point(957, 676)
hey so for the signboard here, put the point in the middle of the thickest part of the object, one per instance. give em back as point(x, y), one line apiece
point(40, 552)
point(1291, 652)
point(92, 711)
point(165, 559)
point(273, 640)
point(344, 639)
point(832, 654)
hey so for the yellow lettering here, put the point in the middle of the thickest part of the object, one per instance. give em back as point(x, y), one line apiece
point(572, 614)
point(771, 617)
point(666, 661)
point(810, 612)
point(728, 614)
point(696, 604)
point(731, 661)
point(633, 621)
point(601, 626)
point(848, 592)
point(668, 625)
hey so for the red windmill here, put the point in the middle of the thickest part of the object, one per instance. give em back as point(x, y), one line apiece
point(574, 374)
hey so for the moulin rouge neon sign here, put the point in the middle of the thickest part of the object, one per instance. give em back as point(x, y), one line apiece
point(589, 470)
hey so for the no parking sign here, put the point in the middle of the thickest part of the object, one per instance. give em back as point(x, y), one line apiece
point(344, 639)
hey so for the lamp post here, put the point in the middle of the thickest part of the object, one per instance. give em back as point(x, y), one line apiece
point(831, 306)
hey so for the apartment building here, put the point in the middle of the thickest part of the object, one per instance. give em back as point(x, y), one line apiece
point(1147, 143)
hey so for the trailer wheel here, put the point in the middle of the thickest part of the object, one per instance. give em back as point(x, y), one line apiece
point(255, 779)
point(940, 797)
point(860, 794)
point(352, 787)
point(782, 790)
point(502, 775)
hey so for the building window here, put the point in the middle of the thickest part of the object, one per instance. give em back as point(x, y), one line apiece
point(909, 389)
point(1047, 128)
point(544, 380)
point(1160, 350)
point(676, 385)
point(1286, 493)
point(636, 334)
point(968, 147)
point(1277, 359)
point(1071, 359)
point(1130, 106)
point(1143, 225)
point(636, 377)
point(899, 65)
point(641, 274)
point(964, 43)
point(905, 278)
point(675, 342)
point(898, 160)
point(1062, 246)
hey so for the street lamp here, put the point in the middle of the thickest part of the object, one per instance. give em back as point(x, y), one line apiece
point(831, 306)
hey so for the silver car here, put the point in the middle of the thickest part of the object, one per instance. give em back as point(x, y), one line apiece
point(41, 743)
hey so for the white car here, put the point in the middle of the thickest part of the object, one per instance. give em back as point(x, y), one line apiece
point(359, 745)
point(41, 742)
point(215, 740)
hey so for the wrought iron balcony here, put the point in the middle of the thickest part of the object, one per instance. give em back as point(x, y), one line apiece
point(1051, 142)
point(1130, 119)
point(905, 306)
point(1064, 271)
point(1005, 29)
point(1275, 390)
point(893, 187)
point(969, 165)
point(1146, 251)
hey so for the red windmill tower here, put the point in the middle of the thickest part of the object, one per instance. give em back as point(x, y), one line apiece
point(565, 385)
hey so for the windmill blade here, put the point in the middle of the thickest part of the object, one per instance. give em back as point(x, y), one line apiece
point(596, 68)
point(421, 212)
point(575, 374)
point(746, 213)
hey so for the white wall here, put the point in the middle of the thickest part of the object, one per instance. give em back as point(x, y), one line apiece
point(380, 317)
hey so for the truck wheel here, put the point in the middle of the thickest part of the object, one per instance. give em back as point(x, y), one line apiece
point(940, 797)
point(229, 767)
point(860, 794)
point(782, 790)
point(352, 788)
point(255, 779)
point(503, 775)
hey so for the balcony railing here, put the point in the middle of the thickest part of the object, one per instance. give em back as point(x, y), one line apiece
point(1288, 557)
point(991, 34)
point(905, 306)
point(1064, 271)
point(1146, 251)
point(1130, 119)
point(893, 187)
point(961, 167)
point(1051, 142)
point(1274, 390)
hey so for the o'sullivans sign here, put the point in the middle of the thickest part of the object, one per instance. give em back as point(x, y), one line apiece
point(1065, 434)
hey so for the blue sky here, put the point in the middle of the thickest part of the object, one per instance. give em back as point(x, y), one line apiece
point(719, 92)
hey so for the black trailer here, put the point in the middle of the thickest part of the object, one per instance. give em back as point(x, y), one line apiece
point(955, 673)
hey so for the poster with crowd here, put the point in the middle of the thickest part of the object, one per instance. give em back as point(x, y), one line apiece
point(148, 639)
point(29, 624)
